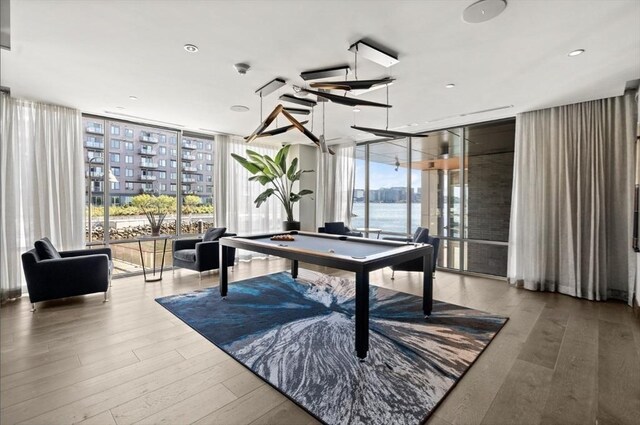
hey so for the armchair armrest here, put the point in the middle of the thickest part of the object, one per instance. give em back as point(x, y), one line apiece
point(357, 234)
point(179, 244)
point(85, 252)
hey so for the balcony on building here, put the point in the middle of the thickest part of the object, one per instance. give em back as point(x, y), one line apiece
point(94, 130)
point(90, 144)
point(95, 159)
point(189, 169)
point(188, 157)
point(189, 145)
point(147, 177)
point(148, 164)
point(146, 150)
point(187, 179)
point(148, 138)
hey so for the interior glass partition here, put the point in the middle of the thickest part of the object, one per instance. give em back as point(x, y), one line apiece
point(456, 182)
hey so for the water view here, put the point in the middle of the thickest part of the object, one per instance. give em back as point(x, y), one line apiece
point(390, 217)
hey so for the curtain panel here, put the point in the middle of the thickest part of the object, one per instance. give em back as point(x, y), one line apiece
point(572, 202)
point(335, 181)
point(234, 207)
point(42, 183)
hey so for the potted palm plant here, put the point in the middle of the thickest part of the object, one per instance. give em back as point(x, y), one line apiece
point(280, 176)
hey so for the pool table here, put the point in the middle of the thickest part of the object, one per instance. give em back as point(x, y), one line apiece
point(350, 253)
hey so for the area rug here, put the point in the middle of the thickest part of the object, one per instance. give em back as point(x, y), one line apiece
point(298, 335)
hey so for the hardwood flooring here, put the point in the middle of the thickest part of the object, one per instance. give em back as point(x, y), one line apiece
point(559, 360)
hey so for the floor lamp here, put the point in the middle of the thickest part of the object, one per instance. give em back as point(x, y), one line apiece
point(112, 179)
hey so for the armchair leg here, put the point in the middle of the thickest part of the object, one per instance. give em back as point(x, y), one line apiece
point(33, 307)
point(106, 297)
point(393, 273)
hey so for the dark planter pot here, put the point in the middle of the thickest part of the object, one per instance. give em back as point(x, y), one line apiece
point(291, 225)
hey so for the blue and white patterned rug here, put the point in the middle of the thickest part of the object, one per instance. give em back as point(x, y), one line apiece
point(298, 335)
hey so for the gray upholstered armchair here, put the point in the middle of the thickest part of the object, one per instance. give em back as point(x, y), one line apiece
point(53, 274)
point(202, 254)
point(338, 228)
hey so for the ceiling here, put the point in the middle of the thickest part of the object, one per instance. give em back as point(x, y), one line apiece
point(93, 55)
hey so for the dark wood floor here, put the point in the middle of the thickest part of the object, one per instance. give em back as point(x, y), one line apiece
point(558, 360)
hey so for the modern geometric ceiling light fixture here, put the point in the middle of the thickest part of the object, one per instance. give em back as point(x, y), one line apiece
point(374, 54)
point(386, 132)
point(279, 109)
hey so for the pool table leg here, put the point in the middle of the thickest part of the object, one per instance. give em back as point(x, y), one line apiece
point(427, 285)
point(224, 278)
point(294, 268)
point(362, 314)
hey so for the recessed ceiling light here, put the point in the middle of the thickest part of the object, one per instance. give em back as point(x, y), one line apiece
point(191, 48)
point(239, 108)
point(413, 124)
point(576, 52)
point(356, 110)
point(133, 98)
point(483, 10)
point(119, 107)
point(450, 85)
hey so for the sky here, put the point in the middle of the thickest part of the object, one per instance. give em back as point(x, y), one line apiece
point(385, 175)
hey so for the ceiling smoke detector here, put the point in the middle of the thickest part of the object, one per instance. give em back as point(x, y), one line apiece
point(241, 68)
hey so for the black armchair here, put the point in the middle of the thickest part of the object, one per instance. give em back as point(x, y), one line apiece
point(416, 236)
point(338, 228)
point(416, 265)
point(194, 254)
point(67, 274)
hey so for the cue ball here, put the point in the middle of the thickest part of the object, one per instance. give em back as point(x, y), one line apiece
point(331, 251)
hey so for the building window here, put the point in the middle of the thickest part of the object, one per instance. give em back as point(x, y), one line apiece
point(209, 146)
point(200, 145)
point(209, 157)
point(128, 172)
point(115, 144)
point(163, 138)
point(200, 155)
point(114, 157)
point(163, 187)
point(173, 140)
point(128, 185)
point(173, 187)
point(174, 176)
point(128, 146)
point(128, 132)
point(162, 162)
point(174, 163)
point(115, 130)
point(128, 159)
point(115, 200)
point(162, 174)
point(162, 150)
point(115, 185)
point(115, 171)
point(209, 167)
point(174, 152)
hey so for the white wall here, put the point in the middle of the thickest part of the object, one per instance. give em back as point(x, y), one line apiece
point(637, 286)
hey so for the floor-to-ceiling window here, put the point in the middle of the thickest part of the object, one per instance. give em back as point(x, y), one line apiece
point(128, 164)
point(456, 182)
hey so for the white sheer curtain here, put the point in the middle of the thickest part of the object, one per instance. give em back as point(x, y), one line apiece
point(234, 194)
point(572, 202)
point(41, 183)
point(335, 179)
